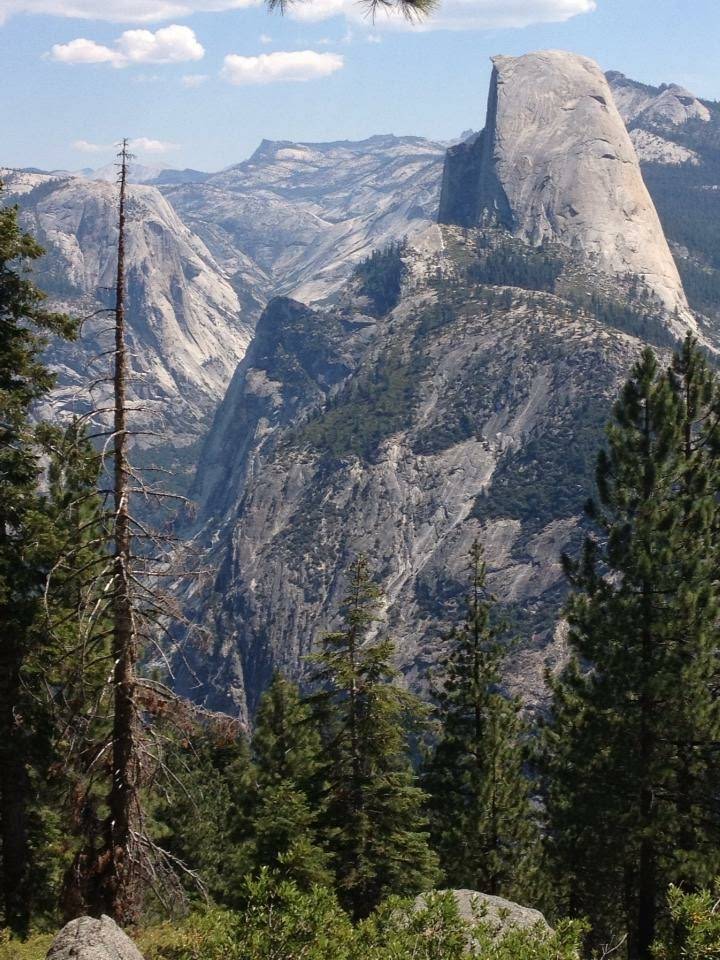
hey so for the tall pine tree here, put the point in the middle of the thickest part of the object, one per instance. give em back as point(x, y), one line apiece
point(630, 754)
point(289, 798)
point(482, 820)
point(377, 832)
point(27, 545)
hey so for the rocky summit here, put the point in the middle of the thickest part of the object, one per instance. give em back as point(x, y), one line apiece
point(555, 162)
point(468, 399)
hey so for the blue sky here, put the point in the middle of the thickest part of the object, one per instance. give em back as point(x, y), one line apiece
point(203, 81)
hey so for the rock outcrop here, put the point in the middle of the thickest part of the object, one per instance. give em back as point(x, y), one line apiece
point(555, 163)
point(500, 914)
point(89, 939)
point(186, 328)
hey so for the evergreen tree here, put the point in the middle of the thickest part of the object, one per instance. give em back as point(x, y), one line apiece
point(205, 819)
point(482, 821)
point(629, 757)
point(289, 799)
point(376, 829)
point(27, 546)
point(68, 670)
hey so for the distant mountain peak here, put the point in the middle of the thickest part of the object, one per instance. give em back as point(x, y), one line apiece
point(669, 105)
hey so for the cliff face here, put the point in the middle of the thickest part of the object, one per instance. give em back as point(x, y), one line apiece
point(466, 411)
point(187, 329)
point(555, 163)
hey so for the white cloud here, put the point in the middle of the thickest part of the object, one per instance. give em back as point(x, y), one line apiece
point(173, 44)
point(452, 14)
point(192, 80)
point(373, 38)
point(121, 11)
point(84, 146)
point(139, 144)
point(297, 65)
point(265, 38)
point(147, 145)
point(83, 51)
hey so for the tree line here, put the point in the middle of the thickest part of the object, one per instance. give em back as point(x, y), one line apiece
point(117, 797)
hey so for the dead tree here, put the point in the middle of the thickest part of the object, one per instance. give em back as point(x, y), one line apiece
point(122, 734)
point(118, 878)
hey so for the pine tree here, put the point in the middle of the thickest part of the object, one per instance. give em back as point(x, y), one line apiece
point(289, 800)
point(632, 782)
point(68, 670)
point(377, 832)
point(26, 545)
point(204, 819)
point(482, 821)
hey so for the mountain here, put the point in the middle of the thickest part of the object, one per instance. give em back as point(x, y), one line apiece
point(667, 106)
point(187, 329)
point(403, 419)
point(305, 213)
point(207, 251)
point(555, 162)
point(144, 173)
point(677, 136)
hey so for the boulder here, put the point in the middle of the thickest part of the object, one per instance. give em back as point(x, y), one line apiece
point(500, 914)
point(90, 939)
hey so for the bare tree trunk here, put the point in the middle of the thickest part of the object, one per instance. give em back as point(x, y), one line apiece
point(118, 870)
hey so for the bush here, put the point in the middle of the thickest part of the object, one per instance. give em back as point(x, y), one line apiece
point(280, 922)
point(34, 948)
point(696, 926)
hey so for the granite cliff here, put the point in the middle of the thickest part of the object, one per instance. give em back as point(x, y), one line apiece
point(555, 162)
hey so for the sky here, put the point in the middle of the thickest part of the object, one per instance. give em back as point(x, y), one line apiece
point(199, 83)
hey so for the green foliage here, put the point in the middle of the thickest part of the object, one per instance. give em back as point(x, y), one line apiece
point(550, 476)
point(689, 207)
point(289, 804)
point(372, 407)
point(205, 818)
point(34, 948)
point(695, 926)
point(631, 773)
point(282, 923)
point(381, 277)
point(482, 822)
point(640, 316)
point(514, 264)
point(29, 545)
point(375, 826)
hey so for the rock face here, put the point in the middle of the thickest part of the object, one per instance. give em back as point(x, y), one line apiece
point(669, 105)
point(651, 148)
point(91, 939)
point(305, 213)
point(555, 163)
point(403, 437)
point(187, 326)
point(502, 915)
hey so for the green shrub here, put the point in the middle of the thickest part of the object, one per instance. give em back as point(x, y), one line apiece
point(34, 948)
point(381, 277)
point(280, 922)
point(696, 926)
